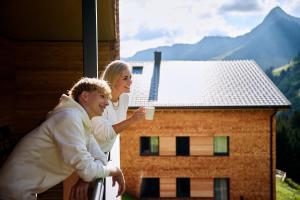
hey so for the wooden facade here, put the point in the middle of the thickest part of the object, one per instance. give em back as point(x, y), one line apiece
point(248, 166)
point(37, 67)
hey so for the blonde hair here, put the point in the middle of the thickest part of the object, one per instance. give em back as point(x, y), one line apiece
point(113, 71)
point(89, 85)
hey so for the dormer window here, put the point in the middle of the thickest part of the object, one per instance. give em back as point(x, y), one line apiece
point(137, 69)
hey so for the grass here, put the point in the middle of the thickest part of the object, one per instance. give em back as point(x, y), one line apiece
point(127, 197)
point(277, 71)
point(285, 192)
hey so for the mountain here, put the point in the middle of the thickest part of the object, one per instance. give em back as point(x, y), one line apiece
point(272, 43)
point(288, 81)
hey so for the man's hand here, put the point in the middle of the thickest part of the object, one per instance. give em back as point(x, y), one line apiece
point(117, 176)
point(80, 190)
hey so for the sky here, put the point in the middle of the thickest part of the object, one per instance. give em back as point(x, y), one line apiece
point(151, 23)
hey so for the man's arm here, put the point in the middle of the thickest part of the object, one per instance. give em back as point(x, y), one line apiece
point(80, 189)
point(69, 135)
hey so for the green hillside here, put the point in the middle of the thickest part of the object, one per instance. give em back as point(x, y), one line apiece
point(277, 71)
point(287, 79)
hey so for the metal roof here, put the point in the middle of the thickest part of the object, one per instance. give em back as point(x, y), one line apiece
point(205, 84)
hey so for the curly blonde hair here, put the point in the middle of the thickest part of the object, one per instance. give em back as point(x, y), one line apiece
point(89, 85)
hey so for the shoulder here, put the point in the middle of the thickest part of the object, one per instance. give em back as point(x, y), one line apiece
point(124, 98)
point(100, 120)
point(68, 114)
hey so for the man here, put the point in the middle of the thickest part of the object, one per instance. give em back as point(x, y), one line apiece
point(64, 143)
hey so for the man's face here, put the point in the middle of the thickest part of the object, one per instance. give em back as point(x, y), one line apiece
point(96, 103)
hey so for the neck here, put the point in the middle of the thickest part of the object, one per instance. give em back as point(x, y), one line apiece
point(115, 96)
point(90, 114)
point(86, 108)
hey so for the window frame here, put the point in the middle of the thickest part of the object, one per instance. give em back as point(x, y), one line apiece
point(142, 153)
point(137, 69)
point(151, 192)
point(188, 146)
point(228, 186)
point(189, 186)
point(221, 153)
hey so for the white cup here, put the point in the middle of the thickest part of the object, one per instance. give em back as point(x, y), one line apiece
point(149, 112)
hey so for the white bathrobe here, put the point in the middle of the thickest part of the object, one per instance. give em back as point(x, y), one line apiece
point(64, 143)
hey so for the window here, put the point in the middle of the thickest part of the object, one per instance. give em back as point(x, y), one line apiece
point(137, 69)
point(150, 187)
point(221, 188)
point(183, 187)
point(221, 145)
point(182, 146)
point(149, 146)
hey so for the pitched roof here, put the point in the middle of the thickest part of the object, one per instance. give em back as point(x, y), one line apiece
point(219, 84)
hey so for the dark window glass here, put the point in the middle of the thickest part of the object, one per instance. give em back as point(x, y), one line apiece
point(150, 187)
point(149, 146)
point(183, 187)
point(182, 146)
point(137, 69)
point(221, 145)
point(221, 188)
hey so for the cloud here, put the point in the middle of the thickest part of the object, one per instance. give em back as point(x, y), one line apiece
point(145, 33)
point(291, 6)
point(241, 6)
point(152, 23)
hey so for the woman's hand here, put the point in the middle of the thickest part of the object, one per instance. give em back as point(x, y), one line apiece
point(138, 114)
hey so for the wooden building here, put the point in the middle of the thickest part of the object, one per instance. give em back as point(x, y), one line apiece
point(213, 133)
point(41, 56)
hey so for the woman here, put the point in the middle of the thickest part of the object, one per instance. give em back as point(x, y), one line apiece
point(113, 121)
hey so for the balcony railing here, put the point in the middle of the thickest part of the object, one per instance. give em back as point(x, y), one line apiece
point(98, 189)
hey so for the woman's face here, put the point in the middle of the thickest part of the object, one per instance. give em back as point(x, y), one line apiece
point(123, 83)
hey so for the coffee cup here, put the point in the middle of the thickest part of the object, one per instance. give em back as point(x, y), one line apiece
point(149, 112)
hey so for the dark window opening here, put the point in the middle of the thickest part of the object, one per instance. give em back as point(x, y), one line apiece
point(137, 69)
point(183, 187)
point(221, 188)
point(150, 187)
point(182, 146)
point(149, 146)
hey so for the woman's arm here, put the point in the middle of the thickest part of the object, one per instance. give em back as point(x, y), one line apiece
point(136, 116)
